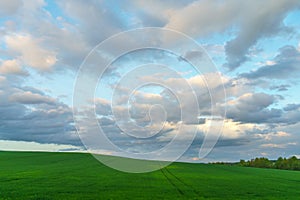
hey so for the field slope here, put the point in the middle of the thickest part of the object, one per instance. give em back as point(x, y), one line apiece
point(37, 175)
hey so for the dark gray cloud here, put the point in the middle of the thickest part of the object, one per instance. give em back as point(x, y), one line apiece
point(286, 65)
point(47, 125)
point(27, 114)
point(290, 116)
point(280, 88)
point(253, 108)
point(257, 108)
point(291, 107)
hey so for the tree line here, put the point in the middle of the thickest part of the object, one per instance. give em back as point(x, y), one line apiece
point(292, 163)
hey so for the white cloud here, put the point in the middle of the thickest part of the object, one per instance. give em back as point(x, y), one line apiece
point(31, 52)
point(282, 134)
point(9, 7)
point(231, 129)
point(197, 19)
point(11, 67)
point(7, 145)
point(270, 145)
point(27, 97)
point(270, 136)
point(280, 146)
point(2, 79)
point(270, 62)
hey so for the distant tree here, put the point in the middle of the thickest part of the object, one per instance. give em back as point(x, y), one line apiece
point(260, 162)
point(242, 163)
point(292, 163)
point(279, 163)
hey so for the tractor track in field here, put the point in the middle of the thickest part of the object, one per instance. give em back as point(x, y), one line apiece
point(182, 182)
point(172, 183)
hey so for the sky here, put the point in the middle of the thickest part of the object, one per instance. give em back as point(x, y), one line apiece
point(246, 95)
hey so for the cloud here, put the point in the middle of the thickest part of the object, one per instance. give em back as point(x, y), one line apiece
point(52, 37)
point(196, 19)
point(2, 79)
point(270, 135)
point(270, 145)
point(95, 19)
point(253, 108)
point(31, 52)
point(103, 107)
point(280, 88)
point(30, 98)
point(183, 19)
point(42, 124)
point(27, 114)
point(284, 65)
point(280, 146)
point(12, 67)
point(290, 116)
point(10, 7)
point(291, 107)
point(146, 11)
point(266, 22)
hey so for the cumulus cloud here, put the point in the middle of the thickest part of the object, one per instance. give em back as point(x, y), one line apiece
point(95, 20)
point(2, 79)
point(27, 97)
point(237, 130)
point(253, 107)
point(103, 107)
point(183, 19)
point(284, 65)
point(51, 38)
point(10, 7)
point(31, 52)
point(27, 114)
point(270, 135)
point(280, 88)
point(290, 116)
point(42, 124)
point(291, 107)
point(280, 146)
point(12, 67)
point(267, 21)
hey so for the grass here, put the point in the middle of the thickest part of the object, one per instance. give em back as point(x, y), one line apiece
point(40, 175)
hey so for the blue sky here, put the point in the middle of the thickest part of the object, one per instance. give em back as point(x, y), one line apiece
point(254, 45)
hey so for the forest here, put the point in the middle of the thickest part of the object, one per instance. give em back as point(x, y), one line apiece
point(292, 163)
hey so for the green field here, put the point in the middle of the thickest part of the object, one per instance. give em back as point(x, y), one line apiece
point(36, 175)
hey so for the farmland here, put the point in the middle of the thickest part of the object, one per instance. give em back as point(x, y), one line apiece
point(41, 175)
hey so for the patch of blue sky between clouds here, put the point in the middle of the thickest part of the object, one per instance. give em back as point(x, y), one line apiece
point(57, 14)
point(59, 85)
